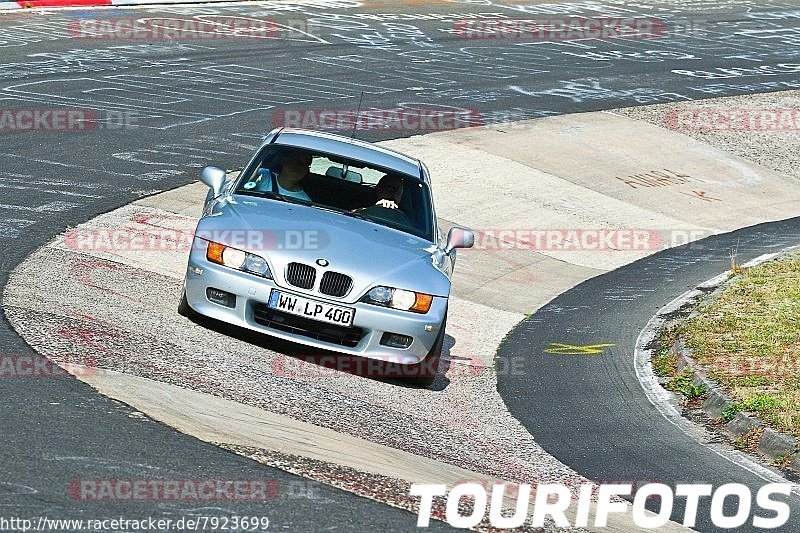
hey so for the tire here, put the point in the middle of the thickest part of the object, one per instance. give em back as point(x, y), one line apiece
point(423, 374)
point(184, 309)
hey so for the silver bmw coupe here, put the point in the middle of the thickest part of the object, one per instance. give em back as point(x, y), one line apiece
point(328, 242)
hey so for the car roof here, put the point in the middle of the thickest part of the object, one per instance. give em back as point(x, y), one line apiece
point(347, 147)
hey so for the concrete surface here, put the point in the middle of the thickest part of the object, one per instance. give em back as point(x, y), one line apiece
point(214, 419)
point(121, 311)
point(763, 143)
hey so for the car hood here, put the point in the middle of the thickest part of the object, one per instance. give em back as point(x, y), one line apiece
point(284, 232)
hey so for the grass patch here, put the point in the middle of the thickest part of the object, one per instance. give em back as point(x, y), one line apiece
point(730, 411)
point(749, 441)
point(682, 383)
point(736, 268)
point(748, 381)
point(665, 364)
point(749, 340)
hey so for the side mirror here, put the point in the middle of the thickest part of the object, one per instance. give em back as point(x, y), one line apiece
point(459, 238)
point(213, 177)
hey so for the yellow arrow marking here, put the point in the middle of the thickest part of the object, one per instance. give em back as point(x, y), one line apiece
point(570, 349)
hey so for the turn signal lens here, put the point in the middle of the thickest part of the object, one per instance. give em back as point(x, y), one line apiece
point(214, 252)
point(423, 303)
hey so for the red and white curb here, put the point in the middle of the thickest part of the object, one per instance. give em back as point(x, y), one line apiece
point(28, 4)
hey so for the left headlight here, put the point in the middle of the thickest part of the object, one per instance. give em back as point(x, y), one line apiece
point(233, 258)
point(417, 302)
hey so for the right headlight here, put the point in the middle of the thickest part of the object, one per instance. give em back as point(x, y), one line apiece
point(238, 259)
point(417, 302)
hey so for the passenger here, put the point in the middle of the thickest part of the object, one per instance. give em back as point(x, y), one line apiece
point(295, 166)
point(389, 192)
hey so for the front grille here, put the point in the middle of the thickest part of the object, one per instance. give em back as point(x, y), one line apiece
point(301, 275)
point(335, 284)
point(313, 329)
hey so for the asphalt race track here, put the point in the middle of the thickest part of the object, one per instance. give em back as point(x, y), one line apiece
point(590, 411)
point(168, 108)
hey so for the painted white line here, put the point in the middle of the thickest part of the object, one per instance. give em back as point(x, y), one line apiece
point(661, 398)
point(11, 228)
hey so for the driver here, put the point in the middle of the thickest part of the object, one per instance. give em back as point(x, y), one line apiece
point(295, 165)
point(389, 192)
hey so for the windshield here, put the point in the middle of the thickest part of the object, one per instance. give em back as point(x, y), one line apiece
point(346, 186)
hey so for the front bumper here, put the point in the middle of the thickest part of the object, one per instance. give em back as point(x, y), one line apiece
point(362, 339)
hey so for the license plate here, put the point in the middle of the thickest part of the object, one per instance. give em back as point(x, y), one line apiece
point(313, 309)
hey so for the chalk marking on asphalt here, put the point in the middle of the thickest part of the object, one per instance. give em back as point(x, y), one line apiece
point(11, 228)
point(570, 349)
point(50, 207)
point(660, 398)
point(66, 165)
point(15, 489)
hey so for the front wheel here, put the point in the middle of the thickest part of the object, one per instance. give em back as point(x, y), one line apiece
point(423, 374)
point(183, 307)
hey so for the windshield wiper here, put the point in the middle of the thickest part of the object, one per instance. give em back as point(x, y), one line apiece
point(354, 215)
